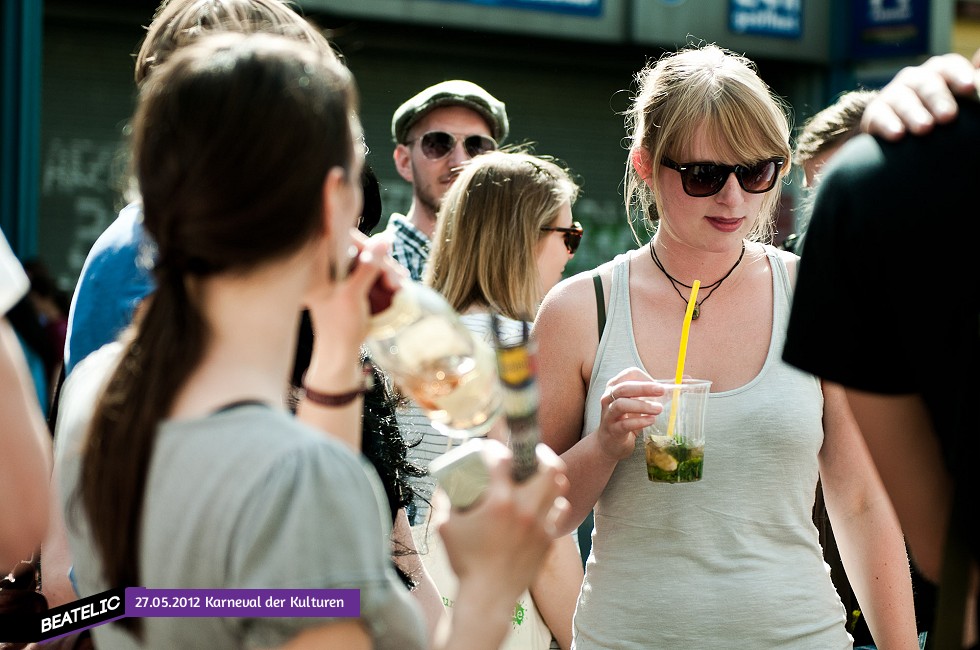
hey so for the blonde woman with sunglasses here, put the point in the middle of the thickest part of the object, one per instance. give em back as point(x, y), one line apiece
point(510, 235)
point(504, 235)
point(731, 560)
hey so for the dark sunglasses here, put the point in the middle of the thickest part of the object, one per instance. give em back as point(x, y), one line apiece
point(705, 179)
point(439, 144)
point(573, 235)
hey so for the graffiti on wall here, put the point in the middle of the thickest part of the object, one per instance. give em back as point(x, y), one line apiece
point(80, 190)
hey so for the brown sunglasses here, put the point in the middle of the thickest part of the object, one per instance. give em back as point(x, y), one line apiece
point(573, 235)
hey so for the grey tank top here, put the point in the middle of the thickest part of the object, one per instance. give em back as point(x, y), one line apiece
point(732, 561)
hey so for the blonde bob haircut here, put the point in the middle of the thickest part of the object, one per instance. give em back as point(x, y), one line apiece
point(489, 227)
point(705, 91)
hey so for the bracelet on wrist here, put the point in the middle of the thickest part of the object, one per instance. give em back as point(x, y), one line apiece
point(340, 399)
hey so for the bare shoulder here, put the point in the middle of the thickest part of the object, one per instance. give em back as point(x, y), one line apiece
point(792, 261)
point(572, 302)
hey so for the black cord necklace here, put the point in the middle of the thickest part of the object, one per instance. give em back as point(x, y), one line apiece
point(710, 287)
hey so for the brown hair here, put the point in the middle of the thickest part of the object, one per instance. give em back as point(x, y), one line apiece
point(488, 229)
point(225, 188)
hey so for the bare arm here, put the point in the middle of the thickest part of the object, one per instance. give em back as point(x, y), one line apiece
point(568, 313)
point(902, 442)
point(26, 444)
point(894, 425)
point(567, 337)
point(555, 589)
point(334, 364)
point(57, 556)
point(867, 530)
point(426, 593)
point(920, 97)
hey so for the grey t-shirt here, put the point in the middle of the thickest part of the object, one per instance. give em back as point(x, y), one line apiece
point(245, 498)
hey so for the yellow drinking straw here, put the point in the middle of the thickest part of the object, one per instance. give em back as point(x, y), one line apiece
point(682, 353)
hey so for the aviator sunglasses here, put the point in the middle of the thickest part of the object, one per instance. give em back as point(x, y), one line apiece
point(573, 235)
point(706, 179)
point(439, 144)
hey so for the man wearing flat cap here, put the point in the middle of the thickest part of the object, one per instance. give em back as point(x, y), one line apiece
point(435, 132)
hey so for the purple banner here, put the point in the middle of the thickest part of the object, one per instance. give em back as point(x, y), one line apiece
point(243, 603)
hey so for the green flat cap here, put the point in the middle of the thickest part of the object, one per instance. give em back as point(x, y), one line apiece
point(451, 93)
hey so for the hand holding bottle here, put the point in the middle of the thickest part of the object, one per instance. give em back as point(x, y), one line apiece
point(497, 546)
point(370, 280)
point(502, 538)
point(335, 368)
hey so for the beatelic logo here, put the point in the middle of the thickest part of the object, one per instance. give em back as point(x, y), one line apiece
point(74, 617)
point(82, 613)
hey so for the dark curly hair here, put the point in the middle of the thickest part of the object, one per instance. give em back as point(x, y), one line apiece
point(381, 440)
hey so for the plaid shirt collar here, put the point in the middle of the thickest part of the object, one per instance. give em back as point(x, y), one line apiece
point(409, 245)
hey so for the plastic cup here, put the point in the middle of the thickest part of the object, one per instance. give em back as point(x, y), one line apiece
point(674, 443)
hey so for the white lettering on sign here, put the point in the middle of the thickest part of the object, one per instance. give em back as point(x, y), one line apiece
point(84, 172)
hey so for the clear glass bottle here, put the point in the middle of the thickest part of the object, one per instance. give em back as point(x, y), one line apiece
point(433, 358)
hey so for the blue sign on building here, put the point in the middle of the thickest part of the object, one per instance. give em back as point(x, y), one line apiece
point(578, 7)
point(783, 18)
point(883, 28)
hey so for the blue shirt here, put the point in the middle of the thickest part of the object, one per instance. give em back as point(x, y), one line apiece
point(115, 278)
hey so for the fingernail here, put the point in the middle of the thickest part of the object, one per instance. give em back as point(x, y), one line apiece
point(946, 107)
point(923, 120)
point(893, 128)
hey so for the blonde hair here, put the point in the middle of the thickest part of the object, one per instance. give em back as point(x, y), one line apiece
point(832, 126)
point(488, 229)
point(179, 22)
point(705, 90)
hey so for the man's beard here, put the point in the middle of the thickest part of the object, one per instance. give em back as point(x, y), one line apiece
point(425, 195)
point(426, 198)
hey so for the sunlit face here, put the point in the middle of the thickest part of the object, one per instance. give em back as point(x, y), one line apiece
point(431, 179)
point(551, 254)
point(348, 205)
point(710, 222)
point(356, 167)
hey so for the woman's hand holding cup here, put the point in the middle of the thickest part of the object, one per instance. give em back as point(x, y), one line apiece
point(625, 412)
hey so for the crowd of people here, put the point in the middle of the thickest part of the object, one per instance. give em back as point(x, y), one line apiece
point(218, 422)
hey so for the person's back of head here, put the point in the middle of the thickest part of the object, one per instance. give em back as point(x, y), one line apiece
point(226, 189)
point(489, 227)
point(179, 22)
point(831, 127)
point(223, 183)
point(818, 141)
point(704, 92)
